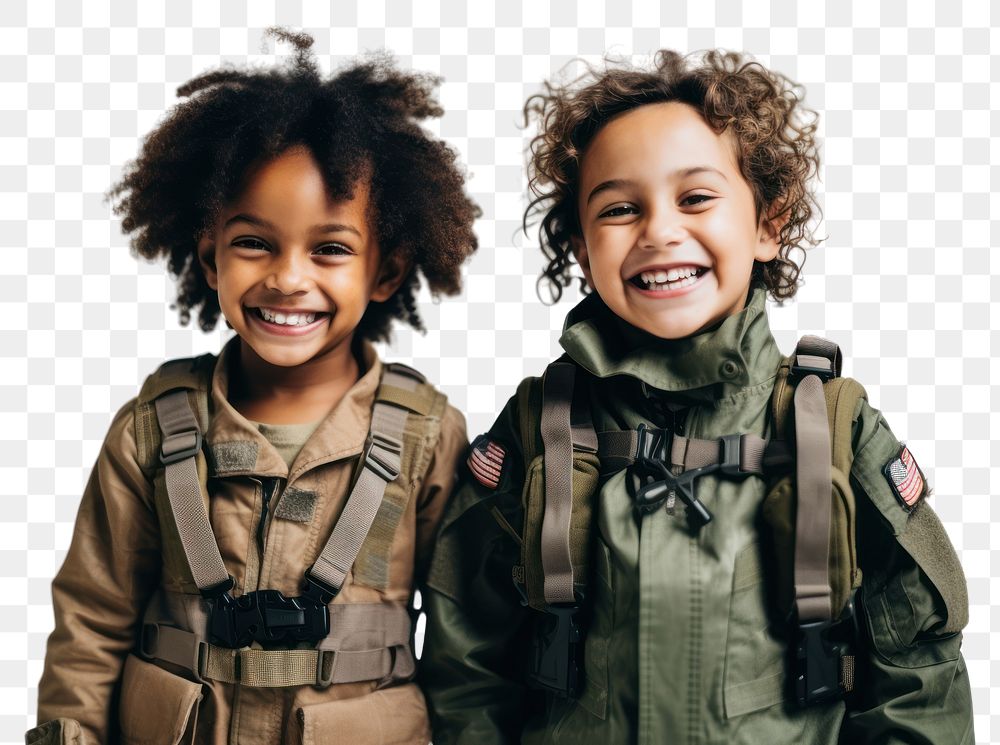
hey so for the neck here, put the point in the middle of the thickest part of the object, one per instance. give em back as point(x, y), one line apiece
point(288, 395)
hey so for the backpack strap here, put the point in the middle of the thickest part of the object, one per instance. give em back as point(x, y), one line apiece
point(565, 426)
point(734, 454)
point(180, 446)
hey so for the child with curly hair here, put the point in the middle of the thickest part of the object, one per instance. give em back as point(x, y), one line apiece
point(678, 534)
point(248, 545)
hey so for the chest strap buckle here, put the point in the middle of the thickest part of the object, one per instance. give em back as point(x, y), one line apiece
point(267, 617)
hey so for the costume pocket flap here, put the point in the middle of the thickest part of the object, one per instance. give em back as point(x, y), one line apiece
point(157, 707)
point(391, 716)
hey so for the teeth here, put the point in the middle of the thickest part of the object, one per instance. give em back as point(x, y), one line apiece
point(287, 319)
point(672, 279)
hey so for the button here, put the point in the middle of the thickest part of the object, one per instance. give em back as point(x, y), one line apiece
point(729, 369)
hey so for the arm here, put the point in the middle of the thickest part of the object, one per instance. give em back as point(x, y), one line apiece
point(475, 641)
point(437, 486)
point(101, 590)
point(913, 682)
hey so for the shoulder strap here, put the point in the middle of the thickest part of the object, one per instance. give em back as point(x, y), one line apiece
point(403, 396)
point(401, 391)
point(565, 425)
point(823, 402)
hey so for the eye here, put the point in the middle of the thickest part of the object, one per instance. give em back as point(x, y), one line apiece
point(619, 210)
point(333, 249)
point(254, 244)
point(693, 200)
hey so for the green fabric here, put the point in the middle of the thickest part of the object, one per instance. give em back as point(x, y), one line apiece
point(287, 439)
point(682, 645)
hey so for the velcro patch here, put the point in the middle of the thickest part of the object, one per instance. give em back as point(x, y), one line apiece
point(905, 478)
point(486, 462)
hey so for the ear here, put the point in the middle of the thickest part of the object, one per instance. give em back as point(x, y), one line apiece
point(769, 232)
point(579, 247)
point(391, 273)
point(206, 257)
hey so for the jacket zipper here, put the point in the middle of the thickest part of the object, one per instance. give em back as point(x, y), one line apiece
point(269, 488)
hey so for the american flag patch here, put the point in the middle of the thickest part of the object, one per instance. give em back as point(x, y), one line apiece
point(486, 462)
point(905, 479)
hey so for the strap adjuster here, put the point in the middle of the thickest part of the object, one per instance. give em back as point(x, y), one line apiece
point(798, 371)
point(180, 446)
point(730, 447)
point(383, 468)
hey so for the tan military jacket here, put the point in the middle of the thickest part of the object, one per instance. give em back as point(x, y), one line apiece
point(113, 569)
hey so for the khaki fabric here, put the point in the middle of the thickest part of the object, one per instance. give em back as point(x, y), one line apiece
point(115, 565)
point(683, 645)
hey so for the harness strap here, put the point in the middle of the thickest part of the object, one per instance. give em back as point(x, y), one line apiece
point(381, 465)
point(181, 444)
point(557, 441)
point(619, 449)
point(813, 456)
point(368, 642)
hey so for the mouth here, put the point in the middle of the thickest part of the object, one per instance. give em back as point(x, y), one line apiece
point(668, 279)
point(287, 321)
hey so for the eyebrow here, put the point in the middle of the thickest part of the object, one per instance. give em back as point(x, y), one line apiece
point(259, 221)
point(617, 183)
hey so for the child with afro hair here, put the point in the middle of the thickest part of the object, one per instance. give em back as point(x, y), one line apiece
point(247, 548)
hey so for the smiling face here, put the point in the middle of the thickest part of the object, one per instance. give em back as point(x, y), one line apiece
point(295, 270)
point(668, 223)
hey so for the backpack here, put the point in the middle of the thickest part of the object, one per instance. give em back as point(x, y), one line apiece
point(811, 406)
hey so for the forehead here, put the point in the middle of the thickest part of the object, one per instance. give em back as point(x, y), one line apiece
point(291, 188)
point(653, 137)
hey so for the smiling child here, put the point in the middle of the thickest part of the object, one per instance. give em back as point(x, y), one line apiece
point(249, 542)
point(678, 534)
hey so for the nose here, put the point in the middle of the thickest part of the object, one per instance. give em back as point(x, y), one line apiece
point(663, 227)
point(289, 273)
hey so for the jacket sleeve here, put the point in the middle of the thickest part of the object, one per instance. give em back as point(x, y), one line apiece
point(98, 595)
point(476, 627)
point(913, 685)
point(438, 484)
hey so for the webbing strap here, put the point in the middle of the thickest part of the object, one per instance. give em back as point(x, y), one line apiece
point(557, 441)
point(180, 446)
point(381, 465)
point(815, 503)
point(381, 631)
point(617, 450)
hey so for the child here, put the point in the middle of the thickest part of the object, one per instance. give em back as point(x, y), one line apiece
point(625, 538)
point(246, 550)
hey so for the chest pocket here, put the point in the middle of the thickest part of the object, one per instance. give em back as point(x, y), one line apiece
point(755, 654)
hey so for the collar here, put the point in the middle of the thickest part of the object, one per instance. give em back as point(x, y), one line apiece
point(237, 447)
point(739, 352)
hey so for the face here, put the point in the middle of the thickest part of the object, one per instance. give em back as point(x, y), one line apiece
point(668, 223)
point(295, 270)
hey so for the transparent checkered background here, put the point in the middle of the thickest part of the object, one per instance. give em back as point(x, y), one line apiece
point(904, 283)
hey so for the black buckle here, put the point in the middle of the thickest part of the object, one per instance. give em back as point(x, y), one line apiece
point(819, 651)
point(267, 617)
point(729, 455)
point(650, 497)
point(185, 452)
point(385, 471)
point(797, 372)
point(557, 652)
point(654, 483)
point(317, 590)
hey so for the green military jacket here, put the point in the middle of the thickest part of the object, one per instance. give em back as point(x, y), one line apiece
point(681, 645)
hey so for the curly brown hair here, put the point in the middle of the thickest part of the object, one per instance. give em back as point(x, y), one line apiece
point(362, 122)
point(774, 133)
